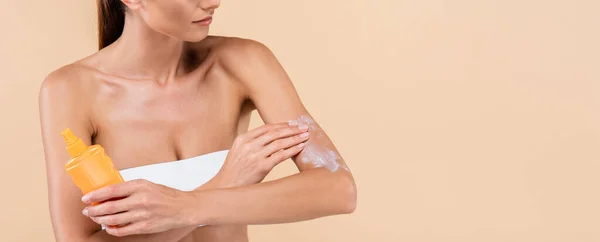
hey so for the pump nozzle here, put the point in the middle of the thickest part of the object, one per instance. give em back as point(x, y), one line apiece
point(75, 145)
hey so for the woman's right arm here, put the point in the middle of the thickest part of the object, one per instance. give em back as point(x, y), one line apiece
point(63, 104)
point(61, 107)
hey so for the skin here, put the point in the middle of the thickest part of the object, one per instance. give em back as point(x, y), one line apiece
point(167, 91)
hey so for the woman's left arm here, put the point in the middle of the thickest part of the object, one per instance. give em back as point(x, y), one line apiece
point(324, 185)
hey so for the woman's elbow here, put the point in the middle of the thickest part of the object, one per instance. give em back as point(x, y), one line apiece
point(347, 194)
point(351, 197)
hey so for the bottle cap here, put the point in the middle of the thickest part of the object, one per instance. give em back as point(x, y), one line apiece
point(75, 145)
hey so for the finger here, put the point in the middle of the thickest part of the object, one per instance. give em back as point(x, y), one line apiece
point(129, 229)
point(107, 208)
point(253, 134)
point(284, 143)
point(280, 133)
point(112, 192)
point(282, 155)
point(119, 218)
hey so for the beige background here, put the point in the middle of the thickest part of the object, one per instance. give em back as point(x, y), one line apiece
point(464, 120)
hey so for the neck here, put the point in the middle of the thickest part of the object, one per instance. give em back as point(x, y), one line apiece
point(144, 53)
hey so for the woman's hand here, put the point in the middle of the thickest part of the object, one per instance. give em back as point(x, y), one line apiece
point(255, 153)
point(139, 207)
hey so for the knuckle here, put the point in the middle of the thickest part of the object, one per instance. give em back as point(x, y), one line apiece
point(145, 215)
point(144, 201)
point(276, 144)
point(298, 137)
point(141, 182)
point(293, 140)
point(112, 190)
point(286, 154)
point(281, 144)
point(110, 208)
point(141, 201)
point(279, 156)
point(112, 220)
point(246, 148)
point(275, 127)
point(269, 136)
point(281, 153)
point(146, 226)
point(281, 130)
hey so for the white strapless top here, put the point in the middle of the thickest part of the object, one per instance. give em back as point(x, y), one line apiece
point(184, 175)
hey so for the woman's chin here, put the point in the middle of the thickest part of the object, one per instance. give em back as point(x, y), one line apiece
point(196, 37)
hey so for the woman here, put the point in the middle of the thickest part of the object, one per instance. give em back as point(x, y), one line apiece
point(161, 93)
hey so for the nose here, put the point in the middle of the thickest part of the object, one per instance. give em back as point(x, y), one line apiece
point(209, 4)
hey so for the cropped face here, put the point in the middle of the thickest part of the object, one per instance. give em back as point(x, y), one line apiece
point(187, 20)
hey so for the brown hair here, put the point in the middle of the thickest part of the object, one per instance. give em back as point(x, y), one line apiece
point(111, 20)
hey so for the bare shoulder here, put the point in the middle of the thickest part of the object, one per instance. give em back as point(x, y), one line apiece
point(66, 90)
point(245, 60)
point(237, 46)
point(235, 53)
point(63, 80)
point(78, 77)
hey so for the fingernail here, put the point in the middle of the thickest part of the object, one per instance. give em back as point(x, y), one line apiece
point(293, 122)
point(303, 127)
point(85, 212)
point(85, 198)
point(301, 145)
point(304, 135)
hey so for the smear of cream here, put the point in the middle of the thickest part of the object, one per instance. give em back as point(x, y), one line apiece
point(315, 154)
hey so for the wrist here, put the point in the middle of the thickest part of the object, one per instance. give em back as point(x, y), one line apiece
point(214, 183)
point(221, 182)
point(204, 212)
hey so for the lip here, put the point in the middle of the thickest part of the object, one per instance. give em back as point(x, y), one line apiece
point(204, 21)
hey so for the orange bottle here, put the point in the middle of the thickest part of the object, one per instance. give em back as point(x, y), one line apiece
point(90, 167)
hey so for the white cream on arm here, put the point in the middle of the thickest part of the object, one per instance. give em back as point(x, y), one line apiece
point(315, 154)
